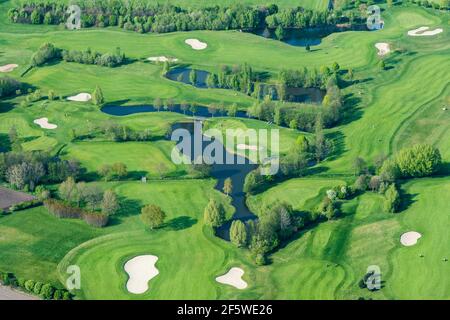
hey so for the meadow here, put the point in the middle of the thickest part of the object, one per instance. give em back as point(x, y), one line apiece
point(385, 112)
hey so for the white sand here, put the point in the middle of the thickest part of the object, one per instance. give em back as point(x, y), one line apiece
point(162, 59)
point(233, 278)
point(410, 238)
point(44, 124)
point(196, 44)
point(141, 270)
point(383, 48)
point(246, 147)
point(422, 31)
point(81, 97)
point(8, 67)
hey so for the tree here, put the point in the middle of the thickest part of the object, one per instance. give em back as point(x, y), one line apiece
point(97, 96)
point(232, 110)
point(382, 65)
point(184, 107)
point(51, 95)
point(68, 190)
point(392, 199)
point(359, 165)
point(418, 161)
point(214, 214)
point(119, 169)
point(109, 204)
point(157, 104)
point(280, 33)
point(193, 77)
point(152, 216)
point(12, 134)
point(238, 233)
point(321, 145)
point(336, 67)
point(227, 186)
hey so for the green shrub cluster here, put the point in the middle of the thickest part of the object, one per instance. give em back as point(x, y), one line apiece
point(45, 290)
point(63, 210)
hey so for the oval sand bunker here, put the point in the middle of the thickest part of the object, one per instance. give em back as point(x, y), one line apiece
point(44, 124)
point(141, 270)
point(410, 238)
point(196, 44)
point(81, 97)
point(424, 31)
point(233, 278)
point(8, 67)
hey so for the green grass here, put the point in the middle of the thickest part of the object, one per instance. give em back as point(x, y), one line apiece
point(295, 192)
point(147, 157)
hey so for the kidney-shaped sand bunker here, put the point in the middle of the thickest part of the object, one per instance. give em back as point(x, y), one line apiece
point(140, 270)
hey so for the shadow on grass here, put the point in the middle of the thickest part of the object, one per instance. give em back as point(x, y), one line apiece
point(5, 144)
point(180, 223)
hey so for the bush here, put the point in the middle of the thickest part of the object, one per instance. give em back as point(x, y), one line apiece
point(29, 285)
point(96, 219)
point(392, 199)
point(37, 288)
point(47, 291)
point(418, 161)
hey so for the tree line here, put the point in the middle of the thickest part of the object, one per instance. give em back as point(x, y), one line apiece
point(48, 53)
point(149, 17)
point(26, 170)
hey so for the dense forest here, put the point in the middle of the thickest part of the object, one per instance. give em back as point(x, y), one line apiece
point(146, 17)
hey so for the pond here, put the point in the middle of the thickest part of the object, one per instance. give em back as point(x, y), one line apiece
point(299, 95)
point(307, 36)
point(237, 173)
point(200, 111)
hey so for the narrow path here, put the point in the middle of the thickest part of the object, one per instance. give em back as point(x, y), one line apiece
point(6, 293)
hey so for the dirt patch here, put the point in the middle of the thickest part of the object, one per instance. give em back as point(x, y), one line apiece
point(9, 198)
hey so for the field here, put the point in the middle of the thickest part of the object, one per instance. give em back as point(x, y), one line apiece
point(385, 111)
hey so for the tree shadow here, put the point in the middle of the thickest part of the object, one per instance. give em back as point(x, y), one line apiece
point(6, 106)
point(338, 139)
point(407, 199)
point(180, 223)
point(5, 143)
point(128, 208)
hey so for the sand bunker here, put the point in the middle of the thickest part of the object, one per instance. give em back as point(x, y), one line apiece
point(246, 147)
point(141, 270)
point(233, 278)
point(196, 44)
point(81, 97)
point(422, 31)
point(383, 48)
point(162, 59)
point(44, 124)
point(8, 67)
point(410, 238)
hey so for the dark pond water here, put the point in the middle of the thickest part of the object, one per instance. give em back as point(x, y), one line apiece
point(308, 36)
point(183, 75)
point(201, 111)
point(236, 172)
point(300, 95)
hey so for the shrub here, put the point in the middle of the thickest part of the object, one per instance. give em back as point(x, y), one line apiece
point(214, 214)
point(96, 219)
point(418, 161)
point(29, 285)
point(47, 291)
point(37, 288)
point(392, 199)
